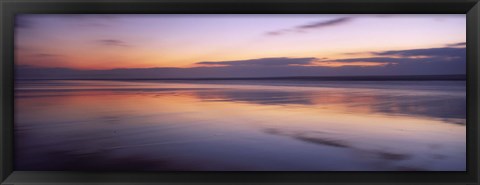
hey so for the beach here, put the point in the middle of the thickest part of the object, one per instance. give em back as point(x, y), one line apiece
point(271, 125)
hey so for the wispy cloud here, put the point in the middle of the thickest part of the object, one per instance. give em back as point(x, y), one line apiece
point(45, 55)
point(112, 42)
point(315, 25)
point(381, 58)
point(457, 44)
point(411, 56)
point(322, 24)
point(428, 52)
point(282, 61)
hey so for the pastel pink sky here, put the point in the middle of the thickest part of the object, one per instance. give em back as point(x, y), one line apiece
point(146, 41)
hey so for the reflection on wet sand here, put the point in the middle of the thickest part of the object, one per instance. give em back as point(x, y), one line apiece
point(166, 126)
point(442, 105)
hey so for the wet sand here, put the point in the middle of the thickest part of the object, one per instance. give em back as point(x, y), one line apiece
point(217, 126)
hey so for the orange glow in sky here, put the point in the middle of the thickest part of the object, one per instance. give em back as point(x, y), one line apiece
point(149, 41)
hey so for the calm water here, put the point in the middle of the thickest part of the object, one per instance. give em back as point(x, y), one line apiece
point(240, 125)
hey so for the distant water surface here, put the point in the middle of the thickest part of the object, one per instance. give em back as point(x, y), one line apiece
point(277, 125)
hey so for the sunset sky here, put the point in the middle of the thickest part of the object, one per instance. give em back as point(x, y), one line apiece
point(300, 42)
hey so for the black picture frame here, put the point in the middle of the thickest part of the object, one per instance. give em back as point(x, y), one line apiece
point(11, 7)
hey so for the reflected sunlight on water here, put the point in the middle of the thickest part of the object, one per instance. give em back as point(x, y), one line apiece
point(128, 125)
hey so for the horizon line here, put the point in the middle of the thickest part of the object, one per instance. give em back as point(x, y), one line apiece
point(447, 77)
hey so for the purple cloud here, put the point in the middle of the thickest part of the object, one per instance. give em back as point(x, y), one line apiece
point(112, 42)
point(457, 44)
point(282, 61)
point(45, 55)
point(322, 24)
point(315, 25)
point(428, 52)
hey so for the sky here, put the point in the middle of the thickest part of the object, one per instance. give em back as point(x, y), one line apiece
point(165, 46)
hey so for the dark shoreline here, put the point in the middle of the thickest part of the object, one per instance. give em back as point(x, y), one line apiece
point(300, 78)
